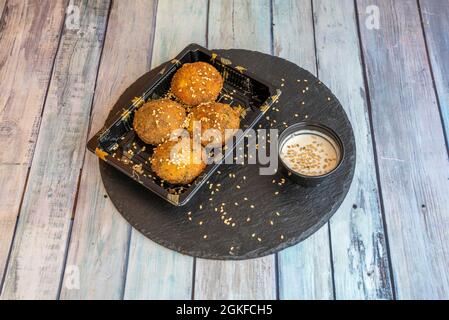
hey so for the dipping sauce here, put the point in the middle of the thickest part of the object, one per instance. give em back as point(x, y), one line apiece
point(310, 153)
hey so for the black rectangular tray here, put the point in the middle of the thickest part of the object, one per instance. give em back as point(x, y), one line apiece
point(118, 145)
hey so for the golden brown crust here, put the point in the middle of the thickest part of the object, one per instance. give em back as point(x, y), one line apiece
point(196, 83)
point(176, 163)
point(214, 115)
point(156, 120)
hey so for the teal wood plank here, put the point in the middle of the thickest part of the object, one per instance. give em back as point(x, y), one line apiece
point(96, 261)
point(24, 79)
point(411, 151)
point(38, 253)
point(243, 25)
point(435, 15)
point(31, 29)
point(155, 272)
point(360, 259)
point(305, 270)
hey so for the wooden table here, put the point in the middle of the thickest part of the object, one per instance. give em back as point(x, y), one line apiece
point(63, 65)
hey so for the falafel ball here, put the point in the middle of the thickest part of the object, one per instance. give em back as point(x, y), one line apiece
point(197, 82)
point(157, 119)
point(176, 162)
point(215, 115)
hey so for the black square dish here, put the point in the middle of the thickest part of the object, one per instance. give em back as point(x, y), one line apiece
point(119, 146)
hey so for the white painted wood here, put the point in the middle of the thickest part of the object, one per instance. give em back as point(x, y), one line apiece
point(28, 45)
point(37, 257)
point(238, 24)
point(360, 258)
point(305, 270)
point(413, 160)
point(155, 272)
point(435, 16)
point(240, 280)
point(100, 237)
point(12, 180)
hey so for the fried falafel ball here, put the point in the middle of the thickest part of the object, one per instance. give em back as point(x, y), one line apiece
point(214, 115)
point(177, 162)
point(157, 119)
point(197, 82)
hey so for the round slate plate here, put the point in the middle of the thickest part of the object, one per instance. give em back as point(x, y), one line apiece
point(283, 215)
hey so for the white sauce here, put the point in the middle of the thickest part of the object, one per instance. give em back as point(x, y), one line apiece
point(310, 153)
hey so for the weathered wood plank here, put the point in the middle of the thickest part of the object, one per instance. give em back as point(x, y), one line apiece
point(100, 237)
point(413, 161)
point(12, 180)
point(360, 258)
point(29, 36)
point(2, 6)
point(37, 257)
point(243, 25)
point(305, 270)
point(28, 43)
point(435, 14)
point(155, 272)
point(251, 279)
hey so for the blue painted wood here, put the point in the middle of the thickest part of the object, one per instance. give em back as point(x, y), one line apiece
point(359, 250)
point(244, 25)
point(24, 80)
point(435, 15)
point(97, 257)
point(305, 270)
point(411, 151)
point(37, 257)
point(155, 272)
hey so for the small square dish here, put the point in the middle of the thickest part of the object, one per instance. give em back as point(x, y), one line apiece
point(118, 144)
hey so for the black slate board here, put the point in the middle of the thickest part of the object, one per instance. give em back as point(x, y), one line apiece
point(302, 211)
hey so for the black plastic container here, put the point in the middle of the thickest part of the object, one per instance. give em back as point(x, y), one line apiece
point(118, 145)
point(306, 128)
